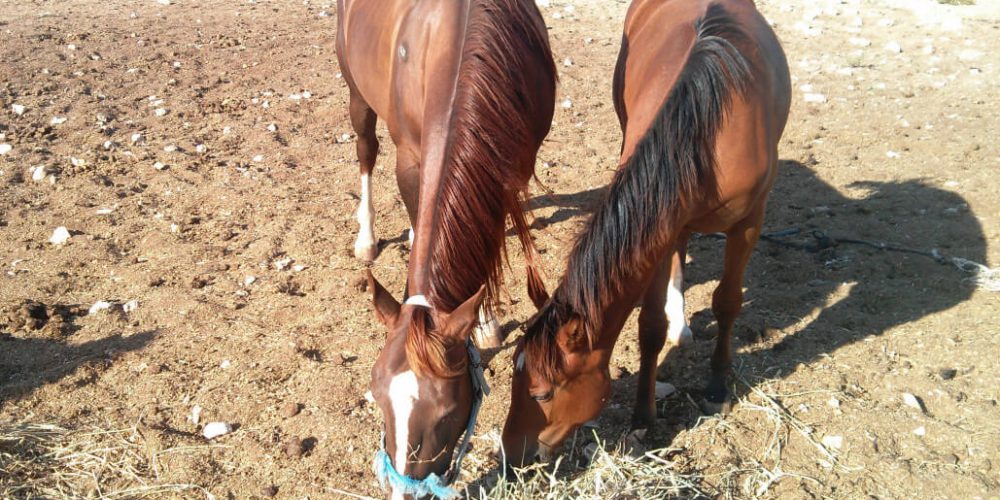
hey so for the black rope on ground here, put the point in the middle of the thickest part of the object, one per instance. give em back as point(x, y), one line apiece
point(824, 241)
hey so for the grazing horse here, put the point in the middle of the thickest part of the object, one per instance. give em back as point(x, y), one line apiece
point(467, 89)
point(702, 92)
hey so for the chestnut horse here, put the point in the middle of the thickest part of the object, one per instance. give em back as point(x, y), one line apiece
point(467, 89)
point(702, 92)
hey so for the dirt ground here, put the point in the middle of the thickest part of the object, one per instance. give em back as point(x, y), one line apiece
point(237, 250)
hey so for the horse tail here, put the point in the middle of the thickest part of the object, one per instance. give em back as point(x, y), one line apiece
point(672, 165)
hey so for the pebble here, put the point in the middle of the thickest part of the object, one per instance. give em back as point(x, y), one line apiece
point(835, 442)
point(369, 397)
point(213, 430)
point(272, 128)
point(664, 390)
point(913, 402)
point(920, 431)
point(892, 154)
point(160, 112)
point(814, 98)
point(833, 403)
point(5, 148)
point(38, 173)
point(170, 148)
point(18, 109)
point(200, 148)
point(130, 306)
point(77, 162)
point(567, 62)
point(859, 42)
point(136, 138)
point(195, 415)
point(258, 158)
point(159, 166)
point(282, 264)
point(58, 120)
point(894, 47)
point(290, 409)
point(100, 305)
point(225, 364)
point(59, 236)
point(294, 447)
point(567, 103)
point(108, 145)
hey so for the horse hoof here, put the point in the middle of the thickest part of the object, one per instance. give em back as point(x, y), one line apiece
point(365, 253)
point(714, 408)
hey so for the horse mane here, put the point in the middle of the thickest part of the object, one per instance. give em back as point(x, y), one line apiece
point(673, 164)
point(490, 160)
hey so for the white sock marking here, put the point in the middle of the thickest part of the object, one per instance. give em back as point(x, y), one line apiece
point(366, 221)
point(677, 331)
point(403, 392)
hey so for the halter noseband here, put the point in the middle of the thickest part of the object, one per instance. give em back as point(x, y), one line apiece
point(433, 484)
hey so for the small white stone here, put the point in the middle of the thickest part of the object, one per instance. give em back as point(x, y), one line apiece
point(177, 65)
point(104, 211)
point(567, 62)
point(77, 162)
point(892, 154)
point(283, 263)
point(5, 148)
point(174, 228)
point(345, 137)
point(159, 166)
point(912, 401)
point(272, 128)
point(38, 173)
point(306, 94)
point(136, 138)
point(920, 431)
point(58, 120)
point(299, 268)
point(100, 305)
point(195, 415)
point(71, 47)
point(587, 40)
point(163, 2)
point(213, 430)
point(130, 306)
point(18, 109)
point(833, 403)
point(226, 130)
point(258, 158)
point(160, 112)
point(225, 364)
point(859, 42)
point(369, 397)
point(170, 148)
point(59, 236)
point(835, 442)
point(664, 390)
point(323, 13)
point(295, 97)
point(893, 46)
point(814, 98)
point(108, 145)
point(249, 280)
point(567, 103)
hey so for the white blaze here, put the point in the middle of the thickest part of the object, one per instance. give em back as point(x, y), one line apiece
point(403, 392)
point(678, 331)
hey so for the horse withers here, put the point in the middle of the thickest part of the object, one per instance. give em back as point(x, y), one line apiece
point(467, 89)
point(702, 92)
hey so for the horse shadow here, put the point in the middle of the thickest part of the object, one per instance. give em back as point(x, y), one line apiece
point(32, 359)
point(803, 301)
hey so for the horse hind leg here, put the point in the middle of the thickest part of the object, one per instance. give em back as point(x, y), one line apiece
point(363, 120)
point(678, 331)
point(727, 300)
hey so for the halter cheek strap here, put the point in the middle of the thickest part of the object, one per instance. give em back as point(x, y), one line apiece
point(433, 484)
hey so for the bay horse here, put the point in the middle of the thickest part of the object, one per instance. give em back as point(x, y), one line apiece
point(467, 89)
point(702, 92)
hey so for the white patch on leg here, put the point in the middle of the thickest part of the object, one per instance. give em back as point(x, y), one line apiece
point(678, 332)
point(403, 392)
point(487, 331)
point(364, 246)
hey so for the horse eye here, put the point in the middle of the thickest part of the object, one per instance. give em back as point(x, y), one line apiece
point(542, 397)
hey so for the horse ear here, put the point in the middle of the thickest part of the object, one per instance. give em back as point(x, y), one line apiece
point(569, 336)
point(386, 307)
point(465, 316)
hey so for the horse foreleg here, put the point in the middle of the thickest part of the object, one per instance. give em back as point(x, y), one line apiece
point(652, 337)
point(678, 331)
point(363, 120)
point(727, 300)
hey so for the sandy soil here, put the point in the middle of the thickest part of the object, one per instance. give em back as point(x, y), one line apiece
point(248, 302)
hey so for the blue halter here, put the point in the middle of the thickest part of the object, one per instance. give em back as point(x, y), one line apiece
point(434, 484)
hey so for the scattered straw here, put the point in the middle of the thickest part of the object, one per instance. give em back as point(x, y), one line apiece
point(48, 461)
